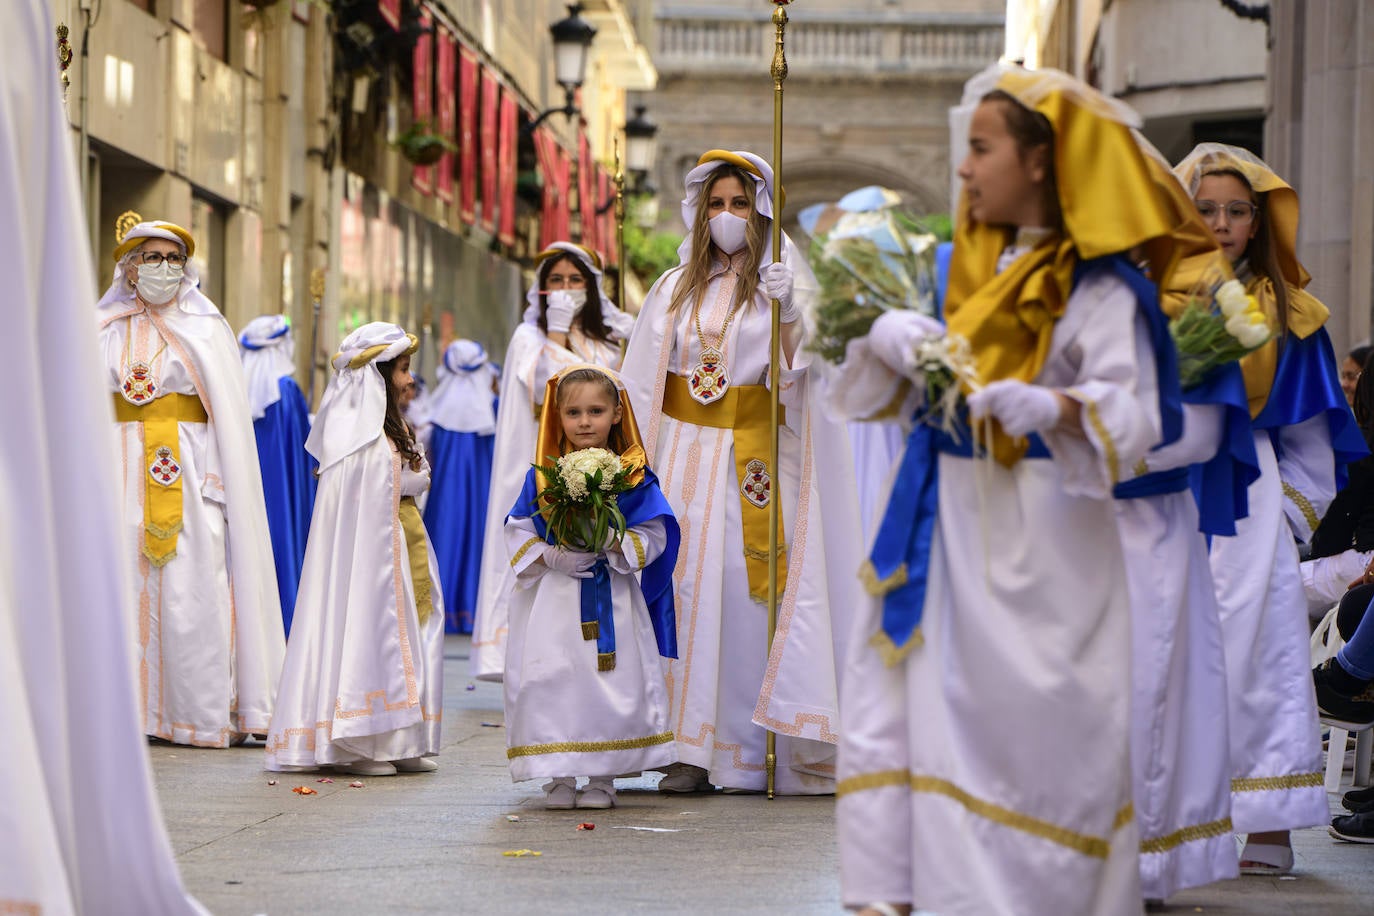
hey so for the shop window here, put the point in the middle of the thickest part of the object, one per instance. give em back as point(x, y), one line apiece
point(211, 27)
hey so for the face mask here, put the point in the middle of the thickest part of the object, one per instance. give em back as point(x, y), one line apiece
point(578, 297)
point(727, 231)
point(157, 284)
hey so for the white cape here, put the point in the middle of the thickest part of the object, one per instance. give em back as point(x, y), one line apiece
point(78, 813)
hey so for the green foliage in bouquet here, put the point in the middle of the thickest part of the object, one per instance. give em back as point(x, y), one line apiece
point(1217, 327)
point(868, 263)
point(579, 503)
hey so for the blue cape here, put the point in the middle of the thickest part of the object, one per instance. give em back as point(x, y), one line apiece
point(288, 487)
point(1306, 384)
point(639, 505)
point(456, 517)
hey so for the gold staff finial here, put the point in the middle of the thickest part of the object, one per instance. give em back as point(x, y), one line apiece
point(624, 268)
point(64, 58)
point(779, 73)
point(125, 221)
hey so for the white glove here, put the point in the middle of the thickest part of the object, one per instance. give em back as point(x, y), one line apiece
point(895, 334)
point(777, 281)
point(563, 308)
point(1020, 408)
point(620, 323)
point(575, 563)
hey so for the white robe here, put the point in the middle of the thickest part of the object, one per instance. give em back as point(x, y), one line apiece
point(728, 684)
point(1276, 754)
point(1180, 760)
point(531, 359)
point(988, 772)
point(80, 827)
point(210, 639)
point(363, 678)
point(563, 716)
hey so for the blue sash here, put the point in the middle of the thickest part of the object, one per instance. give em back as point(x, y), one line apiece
point(288, 487)
point(639, 505)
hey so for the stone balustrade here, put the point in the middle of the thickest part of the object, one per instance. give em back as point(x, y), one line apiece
point(693, 45)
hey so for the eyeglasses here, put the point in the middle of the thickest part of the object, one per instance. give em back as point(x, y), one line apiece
point(154, 258)
point(1237, 211)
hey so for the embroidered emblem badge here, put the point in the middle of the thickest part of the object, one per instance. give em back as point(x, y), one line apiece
point(140, 385)
point(709, 381)
point(757, 486)
point(165, 469)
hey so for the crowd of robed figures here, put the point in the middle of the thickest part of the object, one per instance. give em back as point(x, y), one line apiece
point(1017, 712)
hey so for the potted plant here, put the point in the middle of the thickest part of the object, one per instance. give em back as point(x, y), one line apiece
point(421, 145)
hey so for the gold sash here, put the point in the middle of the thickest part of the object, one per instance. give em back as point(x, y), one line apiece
point(416, 548)
point(161, 467)
point(1306, 314)
point(744, 409)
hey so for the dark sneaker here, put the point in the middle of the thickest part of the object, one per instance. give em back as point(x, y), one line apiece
point(1342, 699)
point(1353, 828)
point(1359, 801)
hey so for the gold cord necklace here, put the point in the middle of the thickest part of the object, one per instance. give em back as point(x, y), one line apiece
point(140, 385)
point(709, 380)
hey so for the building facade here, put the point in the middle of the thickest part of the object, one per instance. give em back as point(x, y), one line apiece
point(865, 102)
point(271, 129)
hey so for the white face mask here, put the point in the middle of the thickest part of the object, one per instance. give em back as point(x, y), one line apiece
point(157, 284)
point(727, 231)
point(578, 297)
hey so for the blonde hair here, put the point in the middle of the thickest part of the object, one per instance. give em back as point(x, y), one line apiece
point(697, 270)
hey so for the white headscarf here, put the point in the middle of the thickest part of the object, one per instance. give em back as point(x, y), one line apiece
point(531, 315)
point(354, 405)
point(268, 351)
point(696, 185)
point(462, 399)
point(188, 298)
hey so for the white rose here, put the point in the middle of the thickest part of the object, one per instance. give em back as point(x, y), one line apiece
point(1253, 335)
point(1231, 298)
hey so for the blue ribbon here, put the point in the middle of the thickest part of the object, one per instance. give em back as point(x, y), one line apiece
point(597, 607)
point(1174, 480)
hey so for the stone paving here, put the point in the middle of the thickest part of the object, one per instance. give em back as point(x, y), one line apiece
point(435, 843)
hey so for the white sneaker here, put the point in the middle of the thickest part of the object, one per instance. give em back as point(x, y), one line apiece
point(415, 765)
point(560, 795)
point(369, 768)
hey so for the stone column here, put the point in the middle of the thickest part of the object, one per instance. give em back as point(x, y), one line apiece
point(1320, 137)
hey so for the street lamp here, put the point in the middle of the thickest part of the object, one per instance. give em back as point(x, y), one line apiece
point(572, 39)
point(640, 146)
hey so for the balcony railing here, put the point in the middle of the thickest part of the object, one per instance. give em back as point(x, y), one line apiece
point(694, 45)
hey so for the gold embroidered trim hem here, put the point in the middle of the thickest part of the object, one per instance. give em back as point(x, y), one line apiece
point(157, 561)
point(890, 652)
point(588, 747)
point(1095, 847)
point(605, 661)
point(639, 548)
point(1100, 428)
point(754, 553)
point(875, 586)
point(1309, 514)
point(170, 531)
point(591, 629)
point(1186, 835)
point(524, 549)
point(1275, 783)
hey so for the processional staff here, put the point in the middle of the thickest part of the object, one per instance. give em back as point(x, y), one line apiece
point(779, 73)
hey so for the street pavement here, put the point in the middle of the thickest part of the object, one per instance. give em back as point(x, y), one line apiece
point(436, 843)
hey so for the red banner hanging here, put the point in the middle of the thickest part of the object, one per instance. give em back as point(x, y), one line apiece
point(422, 178)
point(586, 190)
point(391, 12)
point(491, 140)
point(446, 65)
point(468, 76)
point(506, 166)
point(548, 165)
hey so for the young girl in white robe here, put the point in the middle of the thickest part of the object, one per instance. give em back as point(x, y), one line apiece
point(362, 687)
point(585, 693)
point(984, 758)
point(1304, 434)
point(568, 320)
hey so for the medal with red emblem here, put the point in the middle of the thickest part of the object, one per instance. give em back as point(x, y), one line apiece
point(164, 469)
point(709, 380)
point(140, 385)
point(757, 486)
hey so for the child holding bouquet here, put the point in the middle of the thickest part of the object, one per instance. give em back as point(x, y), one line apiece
point(593, 544)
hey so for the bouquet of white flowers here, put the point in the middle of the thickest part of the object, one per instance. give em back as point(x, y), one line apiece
point(579, 501)
point(869, 262)
point(1217, 328)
